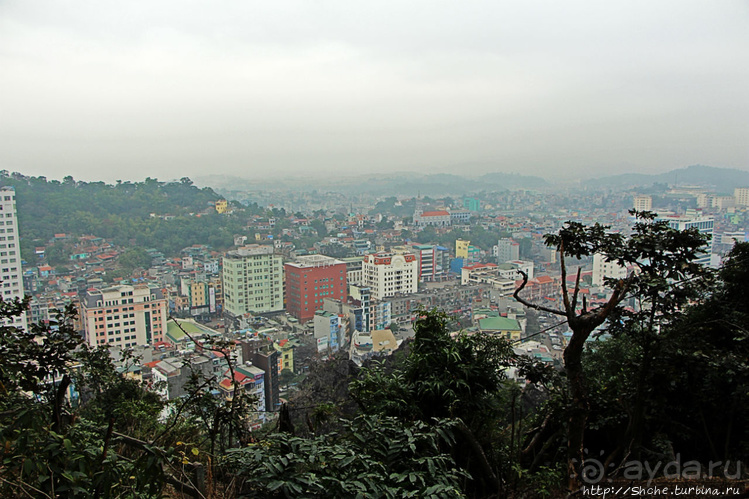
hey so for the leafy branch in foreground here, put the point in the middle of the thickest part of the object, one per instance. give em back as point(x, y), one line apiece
point(373, 457)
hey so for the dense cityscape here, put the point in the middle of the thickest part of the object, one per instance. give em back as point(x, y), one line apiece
point(290, 295)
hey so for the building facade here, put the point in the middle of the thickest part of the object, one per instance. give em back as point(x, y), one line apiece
point(382, 314)
point(643, 203)
point(310, 280)
point(742, 196)
point(354, 274)
point(460, 217)
point(201, 294)
point(438, 218)
point(11, 275)
point(264, 356)
point(603, 269)
point(124, 316)
point(252, 280)
point(251, 380)
point(389, 274)
point(471, 204)
point(434, 262)
point(328, 331)
point(361, 297)
point(507, 249)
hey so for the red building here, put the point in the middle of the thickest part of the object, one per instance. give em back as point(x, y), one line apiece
point(309, 281)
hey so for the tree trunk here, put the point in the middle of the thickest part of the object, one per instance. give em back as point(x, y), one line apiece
point(580, 406)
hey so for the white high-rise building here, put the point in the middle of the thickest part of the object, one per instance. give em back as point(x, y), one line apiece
point(643, 203)
point(507, 249)
point(602, 269)
point(742, 196)
point(724, 202)
point(11, 275)
point(388, 274)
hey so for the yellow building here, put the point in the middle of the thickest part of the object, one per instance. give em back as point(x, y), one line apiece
point(286, 359)
point(222, 205)
point(461, 248)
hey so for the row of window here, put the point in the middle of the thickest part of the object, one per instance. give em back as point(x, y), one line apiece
point(113, 333)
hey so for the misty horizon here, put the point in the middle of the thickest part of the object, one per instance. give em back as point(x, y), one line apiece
point(135, 90)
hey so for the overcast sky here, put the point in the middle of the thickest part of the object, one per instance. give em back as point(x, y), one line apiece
point(128, 89)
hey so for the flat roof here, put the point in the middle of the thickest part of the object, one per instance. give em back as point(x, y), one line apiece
point(499, 324)
point(193, 328)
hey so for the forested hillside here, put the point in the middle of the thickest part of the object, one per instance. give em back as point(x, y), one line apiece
point(152, 214)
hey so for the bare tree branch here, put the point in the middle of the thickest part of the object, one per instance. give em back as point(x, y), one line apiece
point(577, 289)
point(525, 302)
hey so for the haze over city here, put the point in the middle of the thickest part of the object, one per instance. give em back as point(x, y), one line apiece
point(125, 90)
point(328, 249)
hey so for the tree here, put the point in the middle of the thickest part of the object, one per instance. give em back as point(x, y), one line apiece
point(663, 256)
point(373, 456)
point(703, 357)
point(444, 377)
point(681, 389)
point(319, 226)
point(73, 426)
point(667, 278)
point(52, 448)
point(134, 258)
point(323, 397)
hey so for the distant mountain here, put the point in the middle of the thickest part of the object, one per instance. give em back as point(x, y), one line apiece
point(514, 181)
point(401, 183)
point(721, 180)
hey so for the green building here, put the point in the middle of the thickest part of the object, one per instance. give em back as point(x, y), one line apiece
point(471, 204)
point(253, 280)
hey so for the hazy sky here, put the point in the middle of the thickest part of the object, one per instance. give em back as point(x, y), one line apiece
point(129, 89)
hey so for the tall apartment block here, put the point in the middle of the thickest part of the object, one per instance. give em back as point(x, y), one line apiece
point(434, 262)
point(507, 250)
point(311, 279)
point(124, 316)
point(389, 274)
point(253, 280)
point(603, 269)
point(742, 196)
point(11, 275)
point(642, 203)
